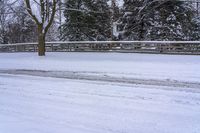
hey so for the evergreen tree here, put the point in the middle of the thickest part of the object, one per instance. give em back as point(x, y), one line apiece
point(159, 20)
point(131, 19)
point(173, 20)
point(115, 15)
point(86, 20)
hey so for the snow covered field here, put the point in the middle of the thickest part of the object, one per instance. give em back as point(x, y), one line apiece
point(99, 93)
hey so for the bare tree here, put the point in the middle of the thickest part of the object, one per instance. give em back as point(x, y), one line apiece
point(3, 20)
point(43, 13)
point(21, 28)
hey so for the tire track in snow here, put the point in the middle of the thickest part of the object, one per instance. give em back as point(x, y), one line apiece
point(91, 76)
point(94, 109)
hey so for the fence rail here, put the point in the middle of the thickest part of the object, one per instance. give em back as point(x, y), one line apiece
point(176, 47)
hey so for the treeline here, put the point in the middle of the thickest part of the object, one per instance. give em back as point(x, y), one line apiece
point(100, 20)
point(136, 20)
point(160, 20)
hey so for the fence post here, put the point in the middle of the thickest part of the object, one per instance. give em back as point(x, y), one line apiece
point(16, 48)
point(34, 48)
point(52, 47)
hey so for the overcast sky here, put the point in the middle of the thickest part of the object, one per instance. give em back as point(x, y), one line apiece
point(120, 2)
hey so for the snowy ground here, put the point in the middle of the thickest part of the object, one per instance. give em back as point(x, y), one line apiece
point(99, 92)
point(145, 66)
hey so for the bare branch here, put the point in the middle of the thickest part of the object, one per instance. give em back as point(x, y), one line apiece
point(42, 10)
point(29, 10)
point(52, 16)
point(37, 2)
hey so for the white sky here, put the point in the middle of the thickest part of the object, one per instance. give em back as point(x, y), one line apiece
point(120, 2)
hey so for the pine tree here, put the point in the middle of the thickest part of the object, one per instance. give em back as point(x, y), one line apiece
point(173, 20)
point(86, 20)
point(131, 19)
point(159, 20)
point(115, 17)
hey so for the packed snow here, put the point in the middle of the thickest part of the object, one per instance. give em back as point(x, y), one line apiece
point(88, 93)
point(142, 66)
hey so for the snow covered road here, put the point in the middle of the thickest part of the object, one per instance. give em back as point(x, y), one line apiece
point(48, 105)
point(99, 93)
point(140, 66)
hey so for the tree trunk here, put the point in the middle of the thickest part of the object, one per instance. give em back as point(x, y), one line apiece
point(141, 31)
point(41, 42)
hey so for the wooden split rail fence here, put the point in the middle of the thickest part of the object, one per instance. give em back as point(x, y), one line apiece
point(171, 47)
